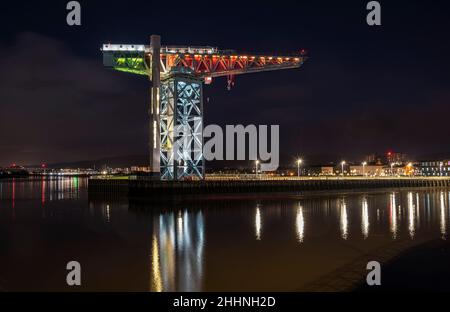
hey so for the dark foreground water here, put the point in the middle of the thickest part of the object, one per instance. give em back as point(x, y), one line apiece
point(275, 243)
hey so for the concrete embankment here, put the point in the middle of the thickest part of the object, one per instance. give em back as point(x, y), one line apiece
point(142, 187)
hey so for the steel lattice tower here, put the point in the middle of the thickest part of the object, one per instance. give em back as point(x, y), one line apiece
point(177, 74)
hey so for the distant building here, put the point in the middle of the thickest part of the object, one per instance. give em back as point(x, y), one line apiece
point(435, 168)
point(319, 170)
point(326, 170)
point(374, 159)
point(368, 170)
point(393, 157)
point(396, 169)
point(13, 171)
point(135, 169)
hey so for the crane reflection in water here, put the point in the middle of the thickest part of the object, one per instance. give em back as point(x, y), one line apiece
point(177, 251)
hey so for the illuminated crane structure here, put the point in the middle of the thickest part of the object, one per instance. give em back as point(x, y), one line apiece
point(177, 74)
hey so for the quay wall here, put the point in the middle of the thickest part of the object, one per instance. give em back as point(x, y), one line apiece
point(143, 187)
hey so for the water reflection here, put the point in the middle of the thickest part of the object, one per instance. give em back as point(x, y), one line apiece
point(300, 224)
point(43, 188)
point(177, 252)
point(164, 248)
point(411, 215)
point(156, 283)
point(443, 220)
point(108, 214)
point(13, 198)
point(258, 223)
point(418, 210)
point(393, 215)
point(344, 220)
point(365, 218)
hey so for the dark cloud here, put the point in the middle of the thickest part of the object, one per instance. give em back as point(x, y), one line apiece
point(57, 106)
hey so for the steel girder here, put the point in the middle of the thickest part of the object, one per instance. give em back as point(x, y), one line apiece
point(202, 65)
point(225, 65)
point(181, 124)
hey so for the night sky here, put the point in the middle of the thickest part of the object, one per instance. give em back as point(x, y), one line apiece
point(363, 90)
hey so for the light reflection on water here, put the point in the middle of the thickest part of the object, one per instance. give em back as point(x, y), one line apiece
point(365, 218)
point(177, 255)
point(300, 224)
point(258, 223)
point(344, 220)
point(248, 244)
point(393, 215)
point(443, 216)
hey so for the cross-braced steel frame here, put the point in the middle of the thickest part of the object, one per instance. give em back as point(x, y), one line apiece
point(181, 128)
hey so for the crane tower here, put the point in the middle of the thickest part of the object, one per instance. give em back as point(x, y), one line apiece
point(177, 74)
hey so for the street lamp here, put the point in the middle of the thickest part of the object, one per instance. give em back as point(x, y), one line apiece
point(256, 168)
point(392, 169)
point(440, 168)
point(299, 162)
point(364, 165)
point(342, 166)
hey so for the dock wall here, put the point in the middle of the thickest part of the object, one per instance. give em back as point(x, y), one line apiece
point(143, 187)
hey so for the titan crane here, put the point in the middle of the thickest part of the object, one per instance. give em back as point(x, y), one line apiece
point(177, 74)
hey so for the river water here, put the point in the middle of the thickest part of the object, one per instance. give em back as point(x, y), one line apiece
point(259, 243)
